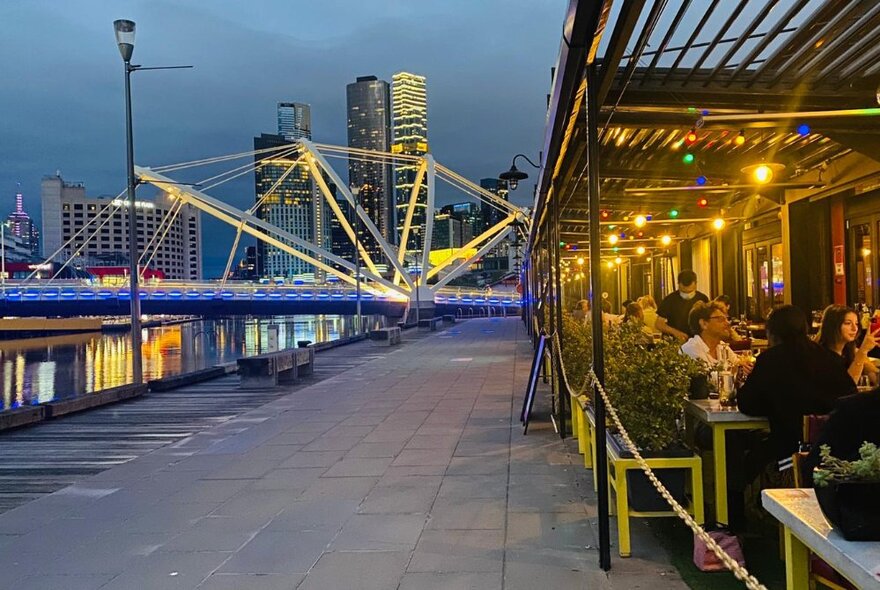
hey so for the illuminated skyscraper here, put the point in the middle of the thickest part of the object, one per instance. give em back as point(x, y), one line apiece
point(492, 215)
point(369, 128)
point(20, 224)
point(294, 121)
point(291, 202)
point(409, 100)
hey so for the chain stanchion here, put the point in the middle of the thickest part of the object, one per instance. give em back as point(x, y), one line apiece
point(739, 571)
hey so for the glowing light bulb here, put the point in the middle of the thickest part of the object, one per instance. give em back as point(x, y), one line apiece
point(763, 174)
point(673, 213)
point(666, 240)
point(866, 252)
point(580, 261)
point(691, 137)
point(701, 180)
point(618, 260)
point(640, 250)
point(640, 220)
point(609, 264)
point(702, 202)
point(612, 239)
point(803, 129)
point(688, 159)
point(718, 223)
point(740, 139)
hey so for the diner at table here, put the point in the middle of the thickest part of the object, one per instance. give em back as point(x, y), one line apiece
point(793, 378)
point(838, 333)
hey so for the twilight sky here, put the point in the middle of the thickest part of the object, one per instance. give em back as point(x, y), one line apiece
point(487, 64)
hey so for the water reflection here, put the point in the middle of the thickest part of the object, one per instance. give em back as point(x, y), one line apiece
point(38, 370)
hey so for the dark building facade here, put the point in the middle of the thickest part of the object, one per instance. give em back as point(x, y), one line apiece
point(369, 128)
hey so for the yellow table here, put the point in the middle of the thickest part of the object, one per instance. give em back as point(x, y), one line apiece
point(806, 529)
point(721, 420)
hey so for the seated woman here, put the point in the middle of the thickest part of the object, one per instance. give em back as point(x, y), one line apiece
point(791, 379)
point(582, 311)
point(649, 311)
point(633, 314)
point(838, 333)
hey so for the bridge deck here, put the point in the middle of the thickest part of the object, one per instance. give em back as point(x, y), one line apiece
point(407, 470)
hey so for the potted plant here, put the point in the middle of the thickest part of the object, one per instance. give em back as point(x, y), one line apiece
point(848, 490)
point(648, 384)
point(577, 350)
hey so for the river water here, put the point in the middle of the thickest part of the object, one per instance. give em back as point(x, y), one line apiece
point(38, 370)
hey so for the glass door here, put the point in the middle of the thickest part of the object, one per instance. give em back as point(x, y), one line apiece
point(861, 257)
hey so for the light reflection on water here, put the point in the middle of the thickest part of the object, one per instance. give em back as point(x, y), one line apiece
point(38, 370)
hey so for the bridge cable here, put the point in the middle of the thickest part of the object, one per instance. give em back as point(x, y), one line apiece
point(83, 245)
point(171, 218)
point(194, 163)
point(61, 248)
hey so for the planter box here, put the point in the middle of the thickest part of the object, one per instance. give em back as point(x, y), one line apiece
point(852, 508)
point(642, 495)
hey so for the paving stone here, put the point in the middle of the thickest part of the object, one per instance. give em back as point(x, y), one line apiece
point(167, 571)
point(388, 532)
point(475, 513)
point(320, 514)
point(64, 581)
point(451, 581)
point(459, 551)
point(364, 570)
point(474, 486)
point(279, 552)
point(312, 459)
point(359, 467)
point(339, 488)
point(423, 457)
point(220, 581)
point(215, 533)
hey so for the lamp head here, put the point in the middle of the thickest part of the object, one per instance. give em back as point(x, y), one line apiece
point(513, 176)
point(125, 38)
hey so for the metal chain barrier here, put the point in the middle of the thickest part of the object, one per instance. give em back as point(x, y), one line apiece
point(739, 571)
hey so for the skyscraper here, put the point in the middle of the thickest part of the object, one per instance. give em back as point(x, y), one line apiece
point(409, 100)
point(369, 128)
point(291, 202)
point(492, 214)
point(294, 121)
point(22, 226)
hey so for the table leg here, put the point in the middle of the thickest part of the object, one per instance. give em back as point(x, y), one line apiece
point(797, 563)
point(719, 466)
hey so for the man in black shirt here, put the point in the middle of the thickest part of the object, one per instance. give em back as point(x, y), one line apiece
point(672, 315)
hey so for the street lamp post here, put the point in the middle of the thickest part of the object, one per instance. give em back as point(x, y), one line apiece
point(357, 261)
point(125, 40)
point(513, 176)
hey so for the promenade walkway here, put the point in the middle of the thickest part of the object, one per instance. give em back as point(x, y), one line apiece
point(407, 471)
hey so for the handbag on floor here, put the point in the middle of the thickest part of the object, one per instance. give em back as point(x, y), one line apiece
point(706, 560)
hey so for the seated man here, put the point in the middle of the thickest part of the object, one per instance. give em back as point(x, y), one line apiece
point(710, 324)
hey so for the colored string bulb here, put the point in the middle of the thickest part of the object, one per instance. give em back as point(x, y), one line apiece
point(666, 240)
point(718, 223)
point(691, 137)
point(640, 221)
point(673, 213)
point(803, 129)
point(701, 180)
point(688, 159)
point(702, 202)
point(741, 138)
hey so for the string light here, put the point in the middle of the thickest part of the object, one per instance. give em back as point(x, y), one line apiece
point(580, 261)
point(741, 138)
point(702, 202)
point(691, 137)
point(640, 221)
point(701, 180)
point(609, 264)
point(612, 239)
point(640, 250)
point(666, 240)
point(803, 129)
point(604, 214)
point(718, 223)
point(618, 260)
point(673, 213)
point(688, 159)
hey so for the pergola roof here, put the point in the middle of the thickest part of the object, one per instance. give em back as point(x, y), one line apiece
point(666, 67)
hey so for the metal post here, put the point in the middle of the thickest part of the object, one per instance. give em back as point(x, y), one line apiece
point(562, 398)
point(3, 256)
point(136, 361)
point(357, 268)
point(601, 458)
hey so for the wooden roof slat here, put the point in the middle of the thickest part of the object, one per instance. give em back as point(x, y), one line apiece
point(690, 41)
point(720, 35)
point(867, 20)
point(742, 38)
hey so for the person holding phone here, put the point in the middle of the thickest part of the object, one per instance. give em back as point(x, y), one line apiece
point(838, 333)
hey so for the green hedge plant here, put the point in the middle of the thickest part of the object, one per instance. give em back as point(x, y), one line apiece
point(648, 384)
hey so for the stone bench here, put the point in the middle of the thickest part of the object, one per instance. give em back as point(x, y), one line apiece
point(175, 381)
point(274, 368)
point(449, 319)
point(430, 323)
point(385, 336)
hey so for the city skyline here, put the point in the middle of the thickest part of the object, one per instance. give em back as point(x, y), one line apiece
point(488, 84)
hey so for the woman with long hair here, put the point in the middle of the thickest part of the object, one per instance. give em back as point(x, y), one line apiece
point(838, 333)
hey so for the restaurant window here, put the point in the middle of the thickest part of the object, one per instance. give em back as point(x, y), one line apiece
point(765, 285)
point(862, 255)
